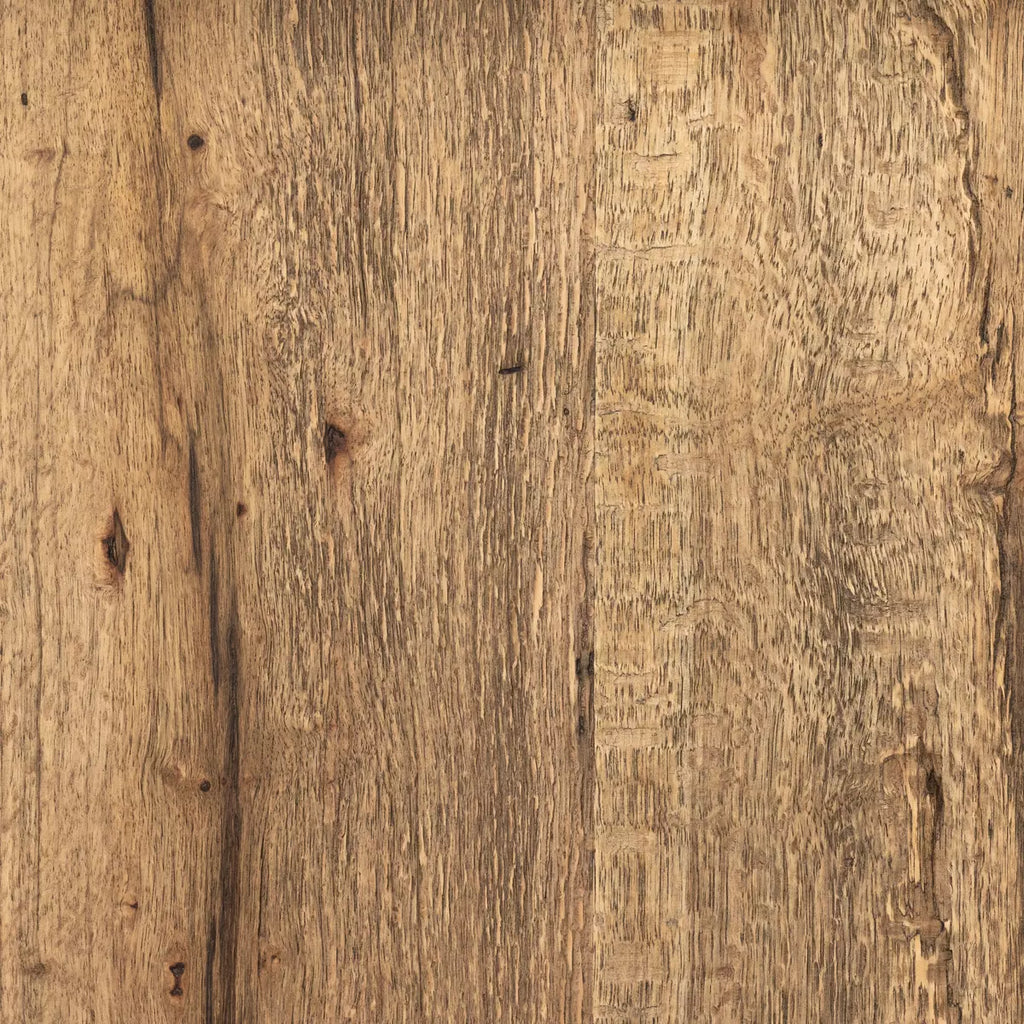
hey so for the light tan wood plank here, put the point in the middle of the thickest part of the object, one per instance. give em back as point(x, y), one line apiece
point(806, 796)
point(107, 836)
point(388, 210)
point(322, 743)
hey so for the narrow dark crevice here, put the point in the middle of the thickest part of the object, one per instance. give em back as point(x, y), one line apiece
point(149, 15)
point(1008, 642)
point(220, 977)
point(231, 829)
point(213, 622)
point(1007, 532)
point(194, 497)
point(166, 270)
point(209, 972)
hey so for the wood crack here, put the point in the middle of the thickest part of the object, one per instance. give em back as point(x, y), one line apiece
point(1004, 521)
point(222, 950)
point(149, 15)
point(209, 973)
point(1005, 657)
point(195, 518)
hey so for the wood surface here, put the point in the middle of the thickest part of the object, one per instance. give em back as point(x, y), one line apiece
point(509, 513)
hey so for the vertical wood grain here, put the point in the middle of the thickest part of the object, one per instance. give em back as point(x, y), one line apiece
point(509, 512)
point(807, 251)
point(107, 735)
point(300, 293)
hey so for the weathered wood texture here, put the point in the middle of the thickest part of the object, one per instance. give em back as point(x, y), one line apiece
point(808, 229)
point(510, 513)
point(305, 742)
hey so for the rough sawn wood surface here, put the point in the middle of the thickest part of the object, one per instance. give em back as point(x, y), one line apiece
point(509, 512)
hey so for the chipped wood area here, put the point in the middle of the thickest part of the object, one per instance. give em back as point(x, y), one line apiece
point(510, 512)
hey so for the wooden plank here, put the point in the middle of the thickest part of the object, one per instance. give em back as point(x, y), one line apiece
point(265, 265)
point(107, 731)
point(808, 622)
